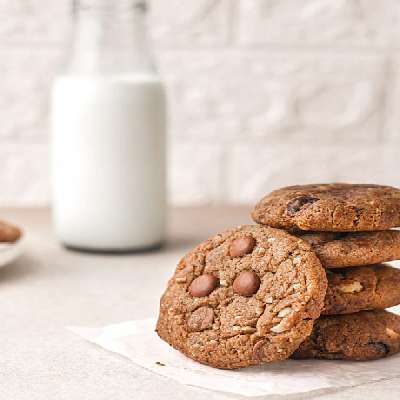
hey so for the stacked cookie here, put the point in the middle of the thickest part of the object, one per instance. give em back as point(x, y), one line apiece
point(254, 294)
point(351, 236)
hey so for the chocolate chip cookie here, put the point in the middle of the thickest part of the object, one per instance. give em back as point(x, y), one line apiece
point(9, 233)
point(347, 249)
point(362, 288)
point(243, 297)
point(367, 335)
point(336, 207)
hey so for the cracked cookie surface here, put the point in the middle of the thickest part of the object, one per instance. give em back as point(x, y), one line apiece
point(348, 249)
point(336, 207)
point(362, 288)
point(9, 233)
point(243, 297)
point(367, 335)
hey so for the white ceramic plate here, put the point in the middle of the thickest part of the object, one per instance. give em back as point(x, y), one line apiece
point(10, 252)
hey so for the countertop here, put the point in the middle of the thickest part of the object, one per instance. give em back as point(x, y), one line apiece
point(50, 287)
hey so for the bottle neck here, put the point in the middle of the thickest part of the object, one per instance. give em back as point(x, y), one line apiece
point(110, 37)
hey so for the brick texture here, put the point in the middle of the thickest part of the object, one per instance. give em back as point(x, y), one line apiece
point(25, 82)
point(254, 170)
point(39, 22)
point(24, 176)
point(320, 22)
point(195, 173)
point(184, 24)
point(262, 93)
point(299, 97)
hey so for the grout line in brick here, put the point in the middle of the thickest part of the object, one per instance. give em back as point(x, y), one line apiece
point(234, 22)
point(389, 89)
point(39, 45)
point(224, 176)
point(267, 50)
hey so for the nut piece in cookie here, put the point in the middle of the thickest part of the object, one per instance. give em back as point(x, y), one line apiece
point(201, 319)
point(362, 336)
point(243, 297)
point(336, 207)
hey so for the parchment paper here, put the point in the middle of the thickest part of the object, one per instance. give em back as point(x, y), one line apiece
point(137, 341)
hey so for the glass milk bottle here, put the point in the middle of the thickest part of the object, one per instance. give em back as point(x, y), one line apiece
point(108, 133)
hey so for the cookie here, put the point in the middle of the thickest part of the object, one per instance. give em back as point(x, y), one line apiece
point(367, 335)
point(336, 207)
point(9, 233)
point(362, 288)
point(243, 297)
point(347, 249)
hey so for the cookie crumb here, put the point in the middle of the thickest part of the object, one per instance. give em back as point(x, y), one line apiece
point(160, 364)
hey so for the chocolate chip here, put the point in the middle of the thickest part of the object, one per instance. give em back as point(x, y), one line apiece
point(201, 319)
point(203, 285)
point(259, 350)
point(343, 235)
point(295, 205)
point(246, 283)
point(381, 347)
point(242, 246)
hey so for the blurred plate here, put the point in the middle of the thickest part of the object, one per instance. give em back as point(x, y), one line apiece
point(9, 252)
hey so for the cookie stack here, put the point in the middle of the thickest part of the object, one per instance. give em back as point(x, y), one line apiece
point(254, 294)
point(351, 236)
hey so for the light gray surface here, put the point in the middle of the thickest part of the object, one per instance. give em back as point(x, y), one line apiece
point(50, 288)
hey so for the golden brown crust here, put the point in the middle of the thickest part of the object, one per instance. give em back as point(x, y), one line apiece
point(227, 330)
point(336, 207)
point(366, 335)
point(362, 288)
point(9, 233)
point(347, 249)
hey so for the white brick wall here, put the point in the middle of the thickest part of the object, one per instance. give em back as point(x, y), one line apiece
point(262, 93)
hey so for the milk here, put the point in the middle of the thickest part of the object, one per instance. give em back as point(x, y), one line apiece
point(108, 161)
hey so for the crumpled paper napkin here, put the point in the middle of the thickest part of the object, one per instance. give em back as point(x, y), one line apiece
point(137, 341)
